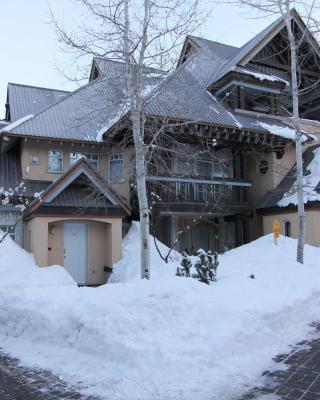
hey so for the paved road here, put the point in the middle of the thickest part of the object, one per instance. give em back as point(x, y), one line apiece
point(19, 383)
point(301, 379)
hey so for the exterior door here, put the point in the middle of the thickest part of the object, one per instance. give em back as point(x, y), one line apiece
point(75, 251)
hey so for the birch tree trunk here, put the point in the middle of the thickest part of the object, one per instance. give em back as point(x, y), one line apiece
point(296, 122)
point(142, 196)
point(134, 89)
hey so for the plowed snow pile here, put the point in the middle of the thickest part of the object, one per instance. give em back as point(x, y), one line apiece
point(167, 338)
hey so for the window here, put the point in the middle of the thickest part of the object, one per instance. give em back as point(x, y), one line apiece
point(287, 228)
point(92, 159)
point(185, 166)
point(263, 167)
point(206, 166)
point(116, 168)
point(55, 161)
point(8, 228)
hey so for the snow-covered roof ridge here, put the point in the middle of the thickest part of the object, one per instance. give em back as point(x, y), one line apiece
point(17, 123)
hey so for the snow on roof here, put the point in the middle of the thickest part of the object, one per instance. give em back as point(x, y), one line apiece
point(14, 124)
point(311, 181)
point(261, 76)
point(111, 122)
point(283, 131)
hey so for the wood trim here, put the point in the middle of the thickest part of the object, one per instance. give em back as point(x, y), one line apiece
point(63, 178)
point(261, 44)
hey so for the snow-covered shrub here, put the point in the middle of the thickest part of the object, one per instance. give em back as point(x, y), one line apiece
point(186, 266)
point(205, 266)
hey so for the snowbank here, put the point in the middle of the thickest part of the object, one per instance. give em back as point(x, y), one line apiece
point(168, 338)
point(128, 269)
point(18, 269)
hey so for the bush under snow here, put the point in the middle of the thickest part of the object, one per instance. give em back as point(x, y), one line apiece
point(170, 337)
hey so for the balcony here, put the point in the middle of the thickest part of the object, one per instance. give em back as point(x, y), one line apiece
point(176, 193)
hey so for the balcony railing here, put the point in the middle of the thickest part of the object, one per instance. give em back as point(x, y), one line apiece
point(174, 189)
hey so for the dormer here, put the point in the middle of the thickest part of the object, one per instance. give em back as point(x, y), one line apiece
point(189, 47)
point(249, 89)
point(257, 77)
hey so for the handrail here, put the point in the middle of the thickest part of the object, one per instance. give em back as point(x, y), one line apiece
point(214, 181)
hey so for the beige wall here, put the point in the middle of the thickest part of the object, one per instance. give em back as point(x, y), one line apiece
point(312, 225)
point(278, 168)
point(40, 149)
point(104, 242)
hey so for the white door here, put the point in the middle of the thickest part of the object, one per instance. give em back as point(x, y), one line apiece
point(75, 251)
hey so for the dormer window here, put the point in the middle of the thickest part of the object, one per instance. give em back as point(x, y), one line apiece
point(251, 90)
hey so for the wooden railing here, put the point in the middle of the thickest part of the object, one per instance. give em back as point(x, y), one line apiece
point(174, 189)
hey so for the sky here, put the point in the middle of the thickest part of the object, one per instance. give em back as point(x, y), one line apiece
point(30, 52)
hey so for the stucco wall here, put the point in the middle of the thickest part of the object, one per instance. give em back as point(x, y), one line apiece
point(40, 149)
point(312, 225)
point(104, 243)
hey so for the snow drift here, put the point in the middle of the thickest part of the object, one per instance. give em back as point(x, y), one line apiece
point(18, 269)
point(168, 338)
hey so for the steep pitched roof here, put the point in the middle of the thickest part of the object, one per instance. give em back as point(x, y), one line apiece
point(89, 112)
point(183, 95)
point(244, 54)
point(25, 100)
point(83, 113)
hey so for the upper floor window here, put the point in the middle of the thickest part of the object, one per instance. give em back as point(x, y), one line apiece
point(116, 172)
point(203, 167)
point(92, 159)
point(55, 161)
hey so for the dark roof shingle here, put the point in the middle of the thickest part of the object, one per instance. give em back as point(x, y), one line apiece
point(25, 100)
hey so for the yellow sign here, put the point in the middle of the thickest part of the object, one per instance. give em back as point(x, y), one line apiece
point(276, 229)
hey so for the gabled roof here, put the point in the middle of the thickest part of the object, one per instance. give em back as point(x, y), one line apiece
point(89, 112)
point(60, 192)
point(244, 54)
point(183, 95)
point(83, 113)
point(240, 56)
point(24, 100)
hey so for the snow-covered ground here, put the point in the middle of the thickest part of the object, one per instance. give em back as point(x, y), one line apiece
point(167, 338)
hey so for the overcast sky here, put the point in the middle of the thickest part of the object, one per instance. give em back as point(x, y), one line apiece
point(31, 55)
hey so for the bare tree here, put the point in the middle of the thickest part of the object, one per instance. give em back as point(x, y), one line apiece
point(142, 34)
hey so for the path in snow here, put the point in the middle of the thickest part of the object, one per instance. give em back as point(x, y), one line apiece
point(299, 380)
point(20, 383)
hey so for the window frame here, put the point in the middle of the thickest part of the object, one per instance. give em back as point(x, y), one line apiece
point(110, 160)
point(62, 161)
point(87, 156)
